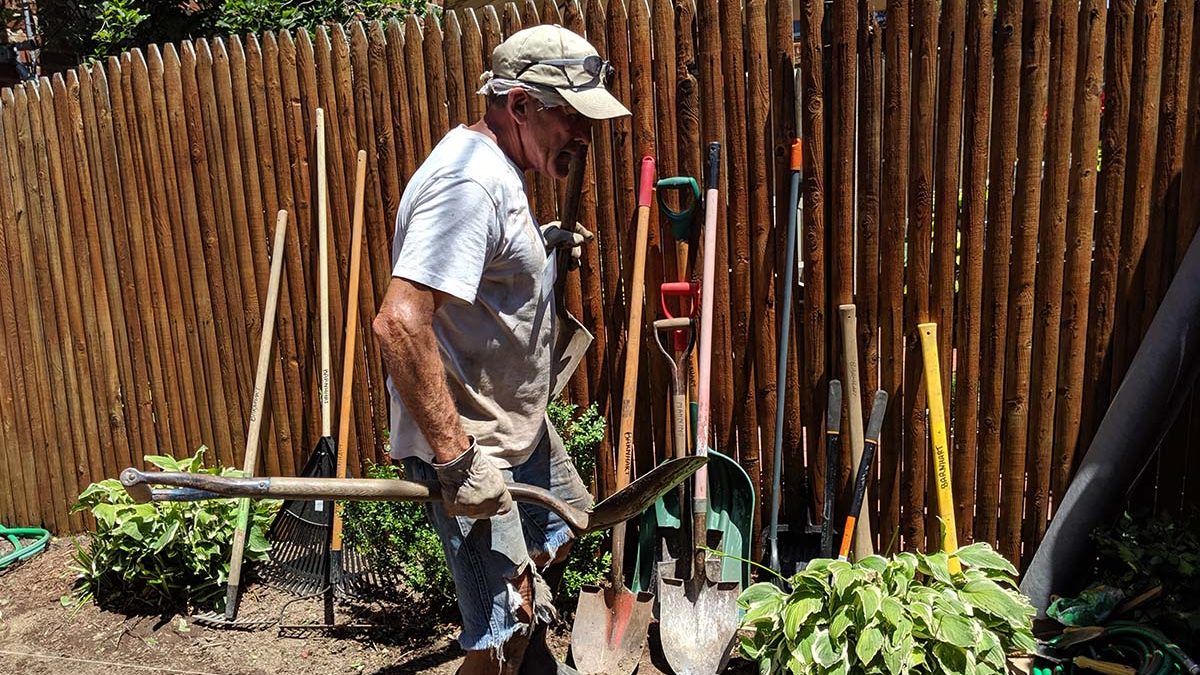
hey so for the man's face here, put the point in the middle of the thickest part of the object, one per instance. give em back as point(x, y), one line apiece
point(552, 136)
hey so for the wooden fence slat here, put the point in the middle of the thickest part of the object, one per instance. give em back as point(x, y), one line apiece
point(98, 364)
point(404, 134)
point(843, 81)
point(491, 33)
point(784, 129)
point(297, 115)
point(896, 129)
point(414, 57)
point(475, 61)
point(870, 102)
point(977, 120)
point(1118, 65)
point(387, 156)
point(915, 458)
point(207, 167)
point(293, 296)
point(39, 379)
point(84, 456)
point(435, 79)
point(12, 502)
point(1047, 308)
point(608, 252)
point(13, 401)
point(141, 299)
point(1189, 200)
point(1026, 208)
point(1080, 221)
point(159, 248)
point(1006, 93)
point(48, 183)
point(734, 181)
point(174, 253)
point(123, 393)
point(187, 234)
point(763, 232)
point(1164, 196)
point(456, 95)
point(815, 330)
point(373, 416)
point(1139, 176)
point(947, 171)
point(268, 140)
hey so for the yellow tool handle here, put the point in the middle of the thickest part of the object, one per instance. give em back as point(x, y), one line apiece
point(941, 452)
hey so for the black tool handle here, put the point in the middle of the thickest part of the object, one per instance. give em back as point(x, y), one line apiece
point(870, 445)
point(833, 444)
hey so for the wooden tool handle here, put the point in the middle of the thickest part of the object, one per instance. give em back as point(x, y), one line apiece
point(852, 382)
point(323, 278)
point(633, 350)
point(346, 409)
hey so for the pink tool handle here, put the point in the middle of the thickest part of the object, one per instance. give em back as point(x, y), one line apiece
point(646, 182)
point(700, 494)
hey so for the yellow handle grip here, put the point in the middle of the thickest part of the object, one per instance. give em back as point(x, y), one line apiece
point(941, 452)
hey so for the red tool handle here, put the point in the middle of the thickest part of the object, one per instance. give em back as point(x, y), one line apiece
point(680, 289)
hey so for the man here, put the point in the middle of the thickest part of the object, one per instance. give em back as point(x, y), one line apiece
point(471, 340)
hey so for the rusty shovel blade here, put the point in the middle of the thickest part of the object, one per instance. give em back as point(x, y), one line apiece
point(609, 633)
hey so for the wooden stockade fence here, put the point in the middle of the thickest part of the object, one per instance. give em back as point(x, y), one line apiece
point(951, 157)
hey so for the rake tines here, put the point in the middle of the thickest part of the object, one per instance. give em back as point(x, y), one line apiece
point(300, 533)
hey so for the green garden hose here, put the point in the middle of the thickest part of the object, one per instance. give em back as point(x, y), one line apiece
point(26, 542)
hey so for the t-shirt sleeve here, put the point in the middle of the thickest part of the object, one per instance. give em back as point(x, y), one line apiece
point(451, 232)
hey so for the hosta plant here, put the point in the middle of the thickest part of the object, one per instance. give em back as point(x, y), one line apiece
point(162, 555)
point(905, 614)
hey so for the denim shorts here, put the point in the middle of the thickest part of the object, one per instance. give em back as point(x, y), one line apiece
point(484, 555)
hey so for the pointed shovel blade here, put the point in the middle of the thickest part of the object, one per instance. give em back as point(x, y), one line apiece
point(698, 622)
point(609, 633)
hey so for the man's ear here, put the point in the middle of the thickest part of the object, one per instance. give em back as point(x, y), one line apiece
point(518, 105)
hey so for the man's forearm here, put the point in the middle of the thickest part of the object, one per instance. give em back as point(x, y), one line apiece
point(410, 354)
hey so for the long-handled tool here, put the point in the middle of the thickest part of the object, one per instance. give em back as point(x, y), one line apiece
point(182, 486)
point(670, 552)
point(798, 545)
point(698, 617)
point(863, 544)
point(870, 447)
point(941, 452)
point(833, 447)
point(609, 633)
point(254, 434)
point(300, 534)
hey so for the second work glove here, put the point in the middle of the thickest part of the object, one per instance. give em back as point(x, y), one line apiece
point(557, 237)
point(473, 486)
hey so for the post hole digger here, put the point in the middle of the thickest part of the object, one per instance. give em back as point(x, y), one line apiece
point(698, 615)
point(609, 633)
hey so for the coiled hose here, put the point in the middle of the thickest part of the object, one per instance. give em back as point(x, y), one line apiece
point(26, 542)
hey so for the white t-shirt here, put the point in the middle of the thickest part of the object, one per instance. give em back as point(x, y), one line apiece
point(464, 227)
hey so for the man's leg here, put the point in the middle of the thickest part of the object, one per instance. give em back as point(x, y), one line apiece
point(490, 564)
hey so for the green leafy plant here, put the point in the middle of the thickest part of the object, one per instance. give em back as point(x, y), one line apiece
point(162, 555)
point(904, 614)
point(397, 536)
point(1140, 551)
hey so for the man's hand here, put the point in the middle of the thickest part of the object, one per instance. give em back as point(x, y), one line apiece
point(557, 237)
point(472, 486)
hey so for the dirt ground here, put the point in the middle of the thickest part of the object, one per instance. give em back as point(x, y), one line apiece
point(38, 635)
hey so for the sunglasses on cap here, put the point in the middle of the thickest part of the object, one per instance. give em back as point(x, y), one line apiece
point(593, 65)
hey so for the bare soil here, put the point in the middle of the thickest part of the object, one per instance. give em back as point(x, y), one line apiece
point(39, 635)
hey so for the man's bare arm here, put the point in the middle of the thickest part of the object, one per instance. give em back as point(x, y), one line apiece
point(404, 329)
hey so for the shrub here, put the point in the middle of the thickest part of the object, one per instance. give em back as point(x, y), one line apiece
point(879, 615)
point(162, 555)
point(397, 536)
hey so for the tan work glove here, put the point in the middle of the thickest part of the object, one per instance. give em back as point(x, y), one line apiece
point(557, 237)
point(473, 486)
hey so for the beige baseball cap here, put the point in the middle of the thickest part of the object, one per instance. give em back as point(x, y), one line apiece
point(552, 57)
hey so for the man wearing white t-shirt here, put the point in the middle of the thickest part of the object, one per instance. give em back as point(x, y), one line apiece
point(472, 340)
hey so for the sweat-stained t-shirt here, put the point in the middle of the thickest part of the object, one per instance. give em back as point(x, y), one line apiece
point(464, 227)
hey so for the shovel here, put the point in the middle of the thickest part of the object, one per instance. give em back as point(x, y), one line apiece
point(609, 633)
point(699, 616)
point(681, 329)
